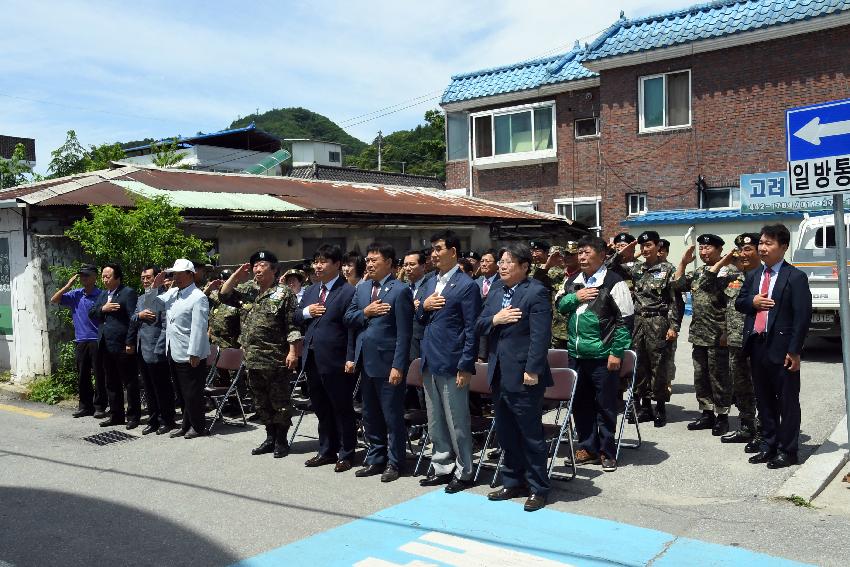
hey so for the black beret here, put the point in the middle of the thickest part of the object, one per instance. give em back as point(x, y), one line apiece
point(710, 239)
point(263, 255)
point(747, 239)
point(624, 237)
point(539, 244)
point(473, 255)
point(648, 236)
point(663, 243)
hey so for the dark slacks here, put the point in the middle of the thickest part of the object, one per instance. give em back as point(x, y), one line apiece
point(595, 405)
point(158, 391)
point(383, 419)
point(88, 364)
point(332, 398)
point(191, 382)
point(519, 428)
point(120, 371)
point(777, 399)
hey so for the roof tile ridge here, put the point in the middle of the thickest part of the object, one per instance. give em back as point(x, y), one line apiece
point(511, 66)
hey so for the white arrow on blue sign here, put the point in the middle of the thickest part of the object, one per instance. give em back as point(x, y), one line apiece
point(818, 147)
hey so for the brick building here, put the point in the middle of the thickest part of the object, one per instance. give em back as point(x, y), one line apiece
point(658, 113)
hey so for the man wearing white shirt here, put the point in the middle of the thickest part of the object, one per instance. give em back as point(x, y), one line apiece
point(187, 343)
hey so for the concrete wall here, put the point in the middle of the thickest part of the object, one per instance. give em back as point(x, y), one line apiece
point(213, 158)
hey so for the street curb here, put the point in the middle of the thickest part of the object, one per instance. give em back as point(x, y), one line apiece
point(18, 392)
point(812, 477)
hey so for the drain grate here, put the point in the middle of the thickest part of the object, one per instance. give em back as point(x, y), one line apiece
point(108, 437)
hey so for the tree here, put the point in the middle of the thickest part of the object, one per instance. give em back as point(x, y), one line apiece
point(100, 157)
point(166, 154)
point(67, 159)
point(13, 171)
point(150, 233)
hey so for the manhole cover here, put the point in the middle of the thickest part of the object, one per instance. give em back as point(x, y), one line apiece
point(108, 437)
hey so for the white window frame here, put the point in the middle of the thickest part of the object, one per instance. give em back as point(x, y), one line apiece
point(518, 158)
point(664, 126)
point(589, 136)
point(581, 201)
point(733, 203)
point(640, 210)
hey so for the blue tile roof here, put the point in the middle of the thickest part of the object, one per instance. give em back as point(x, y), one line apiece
point(705, 21)
point(518, 77)
point(682, 216)
point(194, 139)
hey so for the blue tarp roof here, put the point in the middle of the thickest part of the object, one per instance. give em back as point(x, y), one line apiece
point(195, 139)
point(705, 21)
point(682, 216)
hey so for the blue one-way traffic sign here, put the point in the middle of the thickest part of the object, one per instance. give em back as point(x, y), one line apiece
point(818, 146)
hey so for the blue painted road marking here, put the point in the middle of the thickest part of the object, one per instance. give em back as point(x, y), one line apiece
point(467, 530)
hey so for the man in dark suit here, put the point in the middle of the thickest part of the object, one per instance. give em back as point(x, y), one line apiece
point(116, 340)
point(449, 348)
point(149, 321)
point(414, 272)
point(489, 272)
point(517, 319)
point(321, 313)
point(778, 304)
point(381, 315)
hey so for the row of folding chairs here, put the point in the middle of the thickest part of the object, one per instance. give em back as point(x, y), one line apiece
point(230, 360)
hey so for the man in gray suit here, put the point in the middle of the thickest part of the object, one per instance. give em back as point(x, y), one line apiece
point(149, 320)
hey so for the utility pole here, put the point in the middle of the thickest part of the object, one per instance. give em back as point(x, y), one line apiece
point(402, 166)
point(380, 140)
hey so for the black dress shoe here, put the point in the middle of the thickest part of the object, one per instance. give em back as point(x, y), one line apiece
point(150, 428)
point(390, 474)
point(660, 416)
point(163, 429)
point(762, 457)
point(456, 485)
point(343, 466)
point(319, 460)
point(111, 422)
point(281, 447)
point(179, 433)
point(100, 414)
point(738, 436)
point(191, 434)
point(370, 470)
point(705, 421)
point(82, 413)
point(265, 447)
point(754, 446)
point(494, 454)
point(132, 424)
point(436, 479)
point(508, 493)
point(782, 460)
point(534, 503)
point(721, 426)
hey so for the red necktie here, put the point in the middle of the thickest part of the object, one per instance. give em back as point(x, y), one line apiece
point(323, 294)
point(485, 287)
point(760, 325)
point(375, 287)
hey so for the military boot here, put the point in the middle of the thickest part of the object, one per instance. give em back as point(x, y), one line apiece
point(721, 425)
point(754, 446)
point(645, 413)
point(744, 434)
point(660, 414)
point(266, 446)
point(281, 443)
point(705, 421)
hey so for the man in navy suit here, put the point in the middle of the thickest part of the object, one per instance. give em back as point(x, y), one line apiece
point(381, 315)
point(116, 340)
point(449, 348)
point(517, 319)
point(778, 304)
point(489, 272)
point(321, 311)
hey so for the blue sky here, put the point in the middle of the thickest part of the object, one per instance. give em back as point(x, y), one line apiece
point(117, 71)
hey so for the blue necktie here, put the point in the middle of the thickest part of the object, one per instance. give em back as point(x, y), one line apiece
point(591, 280)
point(506, 299)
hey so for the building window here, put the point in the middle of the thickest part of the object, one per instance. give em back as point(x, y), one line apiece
point(720, 198)
point(636, 203)
point(584, 210)
point(333, 157)
point(587, 127)
point(457, 136)
point(508, 135)
point(664, 101)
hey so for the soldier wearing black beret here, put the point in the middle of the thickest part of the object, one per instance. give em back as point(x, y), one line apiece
point(539, 259)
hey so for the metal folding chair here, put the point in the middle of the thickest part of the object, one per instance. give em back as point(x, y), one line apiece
point(416, 417)
point(558, 358)
point(628, 369)
point(227, 359)
point(481, 385)
point(212, 361)
point(300, 403)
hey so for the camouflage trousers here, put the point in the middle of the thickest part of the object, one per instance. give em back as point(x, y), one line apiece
point(742, 384)
point(559, 343)
point(712, 382)
point(271, 395)
point(653, 354)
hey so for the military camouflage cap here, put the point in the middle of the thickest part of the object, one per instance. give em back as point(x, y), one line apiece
point(711, 240)
point(624, 237)
point(556, 250)
point(747, 239)
point(648, 236)
point(263, 255)
point(571, 247)
point(297, 273)
point(539, 244)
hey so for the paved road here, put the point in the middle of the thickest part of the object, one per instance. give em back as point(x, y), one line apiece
point(164, 501)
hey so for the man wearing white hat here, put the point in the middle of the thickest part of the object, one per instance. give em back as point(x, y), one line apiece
point(186, 342)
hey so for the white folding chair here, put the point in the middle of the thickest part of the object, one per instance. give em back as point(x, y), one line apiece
point(628, 369)
point(230, 359)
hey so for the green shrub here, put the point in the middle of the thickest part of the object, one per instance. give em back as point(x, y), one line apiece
point(60, 385)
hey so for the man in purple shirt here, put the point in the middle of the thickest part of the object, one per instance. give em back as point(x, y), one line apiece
point(79, 301)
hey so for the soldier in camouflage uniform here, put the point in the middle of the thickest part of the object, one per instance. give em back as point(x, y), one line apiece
point(270, 341)
point(707, 334)
point(656, 328)
point(558, 274)
point(539, 258)
point(224, 324)
point(745, 258)
point(663, 251)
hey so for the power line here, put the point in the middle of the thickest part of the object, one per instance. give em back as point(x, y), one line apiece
point(416, 98)
point(84, 109)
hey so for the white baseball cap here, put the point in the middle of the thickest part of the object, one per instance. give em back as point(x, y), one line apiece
point(181, 265)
